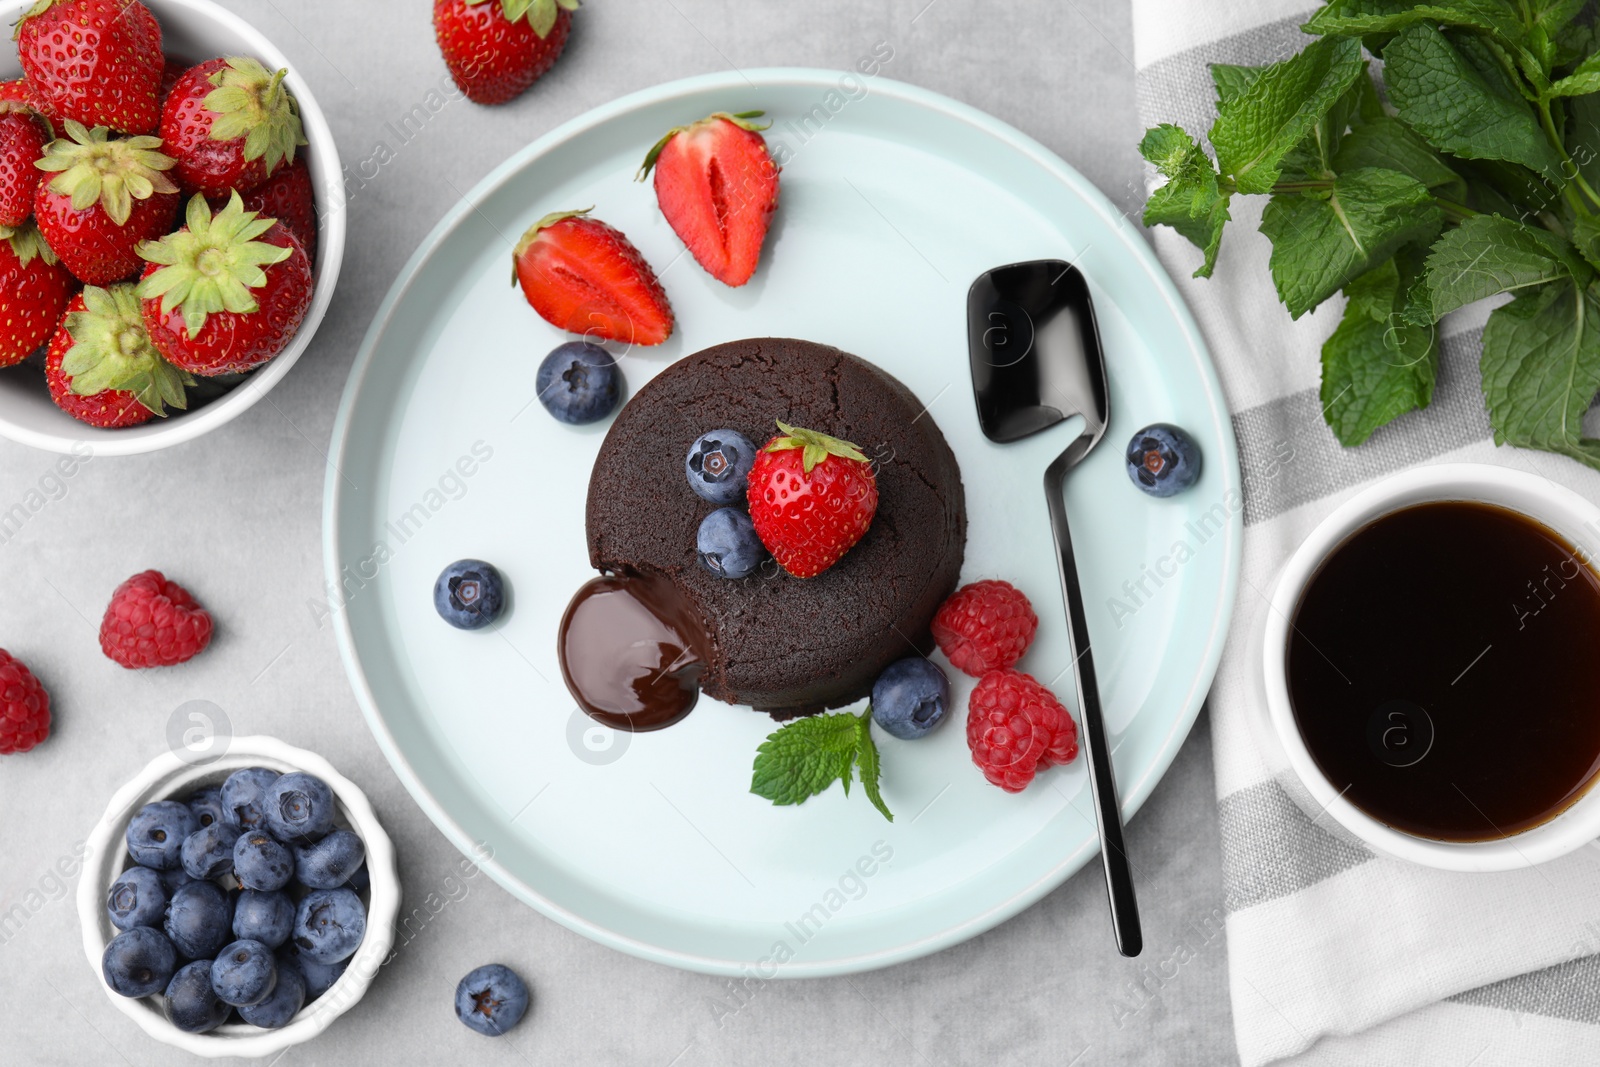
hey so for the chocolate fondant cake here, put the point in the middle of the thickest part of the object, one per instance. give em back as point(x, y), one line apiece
point(786, 645)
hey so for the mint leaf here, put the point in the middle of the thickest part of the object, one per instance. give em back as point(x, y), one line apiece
point(1375, 366)
point(1191, 202)
point(1389, 144)
point(1348, 17)
point(1458, 102)
point(1586, 238)
point(808, 755)
point(1541, 369)
point(1583, 134)
point(1232, 80)
point(1584, 79)
point(1256, 129)
point(1319, 244)
point(1488, 254)
point(867, 761)
point(804, 758)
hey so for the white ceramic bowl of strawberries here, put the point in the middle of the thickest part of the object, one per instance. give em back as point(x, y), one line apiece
point(192, 31)
point(174, 776)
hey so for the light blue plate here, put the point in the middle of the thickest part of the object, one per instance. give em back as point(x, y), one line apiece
point(893, 200)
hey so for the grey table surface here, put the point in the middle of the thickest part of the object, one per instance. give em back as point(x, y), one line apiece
point(237, 517)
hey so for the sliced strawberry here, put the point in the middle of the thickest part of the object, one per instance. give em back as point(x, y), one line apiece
point(718, 187)
point(22, 141)
point(585, 277)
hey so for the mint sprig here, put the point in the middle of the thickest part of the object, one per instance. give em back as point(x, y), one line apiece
point(806, 756)
point(1477, 178)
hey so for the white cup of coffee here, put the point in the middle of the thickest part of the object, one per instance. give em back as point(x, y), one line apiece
point(1403, 730)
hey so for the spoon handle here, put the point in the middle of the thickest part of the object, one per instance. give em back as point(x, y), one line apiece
point(1102, 777)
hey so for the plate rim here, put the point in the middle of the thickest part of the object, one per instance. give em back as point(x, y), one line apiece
point(1133, 794)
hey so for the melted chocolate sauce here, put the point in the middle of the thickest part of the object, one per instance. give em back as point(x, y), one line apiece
point(632, 652)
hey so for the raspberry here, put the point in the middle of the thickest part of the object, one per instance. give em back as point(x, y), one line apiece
point(152, 622)
point(985, 626)
point(24, 707)
point(1015, 726)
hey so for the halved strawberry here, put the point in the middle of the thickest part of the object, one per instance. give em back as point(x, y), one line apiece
point(102, 368)
point(812, 497)
point(106, 195)
point(23, 136)
point(718, 187)
point(34, 290)
point(585, 277)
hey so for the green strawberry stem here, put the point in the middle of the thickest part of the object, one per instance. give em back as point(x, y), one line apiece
point(211, 264)
point(26, 242)
point(112, 350)
point(251, 102)
point(91, 167)
point(817, 446)
point(532, 234)
point(741, 119)
point(541, 14)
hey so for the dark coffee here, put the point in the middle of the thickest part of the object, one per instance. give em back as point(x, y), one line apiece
point(1444, 671)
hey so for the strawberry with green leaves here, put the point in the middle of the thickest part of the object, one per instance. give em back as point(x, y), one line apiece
point(102, 368)
point(496, 49)
point(227, 292)
point(586, 277)
point(812, 497)
point(107, 195)
point(230, 123)
point(287, 196)
point(97, 62)
point(718, 188)
point(34, 290)
point(23, 136)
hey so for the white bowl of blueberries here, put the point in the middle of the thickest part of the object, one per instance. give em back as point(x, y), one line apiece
point(238, 907)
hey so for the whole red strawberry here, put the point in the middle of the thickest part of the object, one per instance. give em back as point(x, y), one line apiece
point(102, 368)
point(152, 622)
point(24, 707)
point(1016, 727)
point(34, 290)
point(812, 497)
point(230, 123)
point(495, 49)
point(95, 61)
point(225, 293)
point(718, 187)
point(288, 197)
point(585, 277)
point(22, 141)
point(985, 626)
point(106, 196)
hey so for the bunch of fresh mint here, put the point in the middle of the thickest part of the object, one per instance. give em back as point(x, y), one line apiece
point(808, 755)
point(1477, 177)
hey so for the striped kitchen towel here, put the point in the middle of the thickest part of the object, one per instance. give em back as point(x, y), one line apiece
point(1337, 956)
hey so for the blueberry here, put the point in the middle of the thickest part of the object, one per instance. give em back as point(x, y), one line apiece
point(718, 465)
point(171, 880)
point(491, 999)
point(360, 879)
point(261, 862)
point(319, 977)
point(244, 972)
point(139, 962)
point(329, 924)
point(264, 917)
point(156, 832)
point(242, 794)
point(1163, 460)
point(469, 594)
point(329, 863)
point(208, 852)
point(136, 898)
point(728, 545)
point(207, 806)
point(299, 807)
point(192, 1005)
point(199, 920)
point(910, 697)
point(285, 1001)
point(579, 382)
